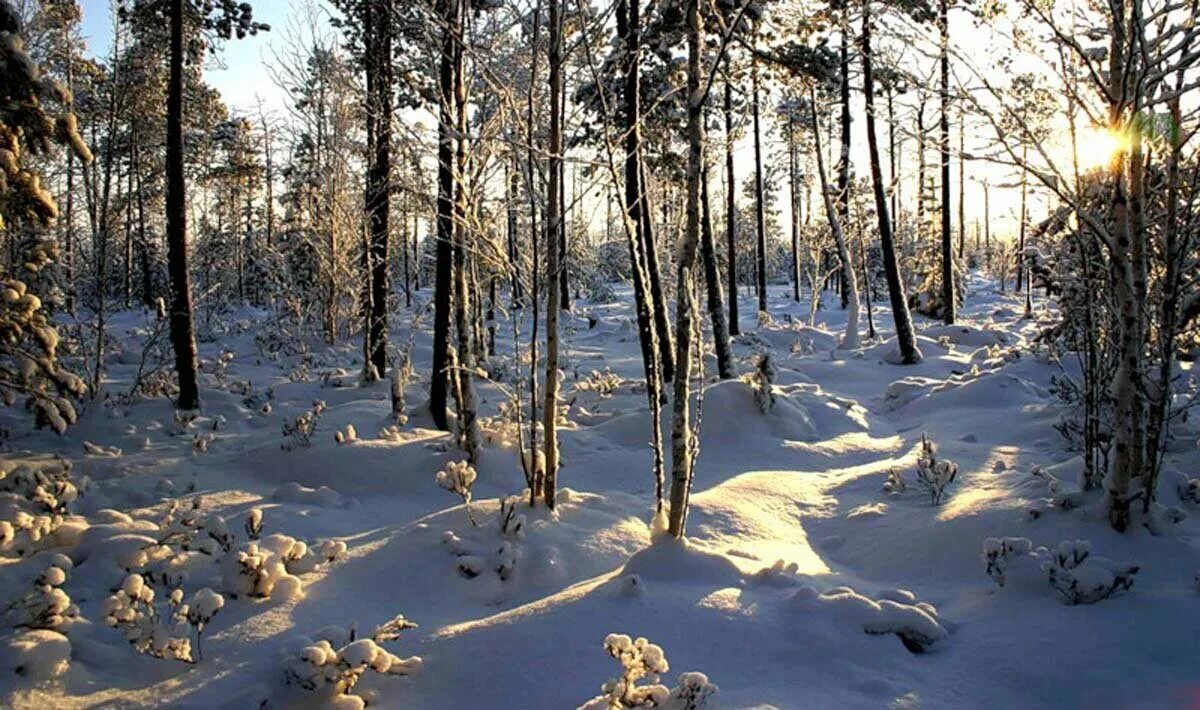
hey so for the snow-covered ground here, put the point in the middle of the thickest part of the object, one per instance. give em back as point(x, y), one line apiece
point(802, 583)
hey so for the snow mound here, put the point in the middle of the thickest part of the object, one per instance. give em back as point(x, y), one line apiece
point(970, 336)
point(801, 412)
point(293, 492)
point(40, 654)
point(678, 560)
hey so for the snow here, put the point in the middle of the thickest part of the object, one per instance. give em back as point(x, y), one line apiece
point(802, 583)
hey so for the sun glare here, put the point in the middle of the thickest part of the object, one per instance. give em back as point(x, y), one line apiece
point(1098, 145)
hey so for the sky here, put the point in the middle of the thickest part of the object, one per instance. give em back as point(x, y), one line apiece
point(243, 77)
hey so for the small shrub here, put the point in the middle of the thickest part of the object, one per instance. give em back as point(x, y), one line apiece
point(298, 432)
point(934, 475)
point(642, 661)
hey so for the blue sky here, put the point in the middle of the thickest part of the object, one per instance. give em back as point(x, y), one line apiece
point(241, 85)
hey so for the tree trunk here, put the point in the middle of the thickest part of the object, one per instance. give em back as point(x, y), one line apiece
point(683, 450)
point(948, 290)
point(906, 339)
point(183, 334)
point(444, 249)
point(730, 210)
point(468, 422)
point(379, 175)
point(554, 244)
point(843, 179)
point(760, 214)
point(850, 340)
point(712, 274)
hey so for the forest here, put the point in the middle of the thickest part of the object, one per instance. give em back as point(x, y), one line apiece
point(489, 353)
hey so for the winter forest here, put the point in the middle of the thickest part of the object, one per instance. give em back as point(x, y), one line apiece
point(370, 353)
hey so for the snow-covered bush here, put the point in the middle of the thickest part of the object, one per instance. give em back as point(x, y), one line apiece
point(253, 523)
point(1189, 490)
point(481, 553)
point(254, 571)
point(643, 662)
point(603, 383)
point(46, 606)
point(999, 553)
point(187, 527)
point(1084, 578)
point(347, 435)
point(47, 488)
point(762, 380)
point(131, 610)
point(894, 483)
point(1071, 568)
point(401, 374)
point(298, 432)
point(332, 667)
point(1060, 497)
point(25, 532)
point(915, 623)
point(458, 477)
point(934, 475)
point(203, 606)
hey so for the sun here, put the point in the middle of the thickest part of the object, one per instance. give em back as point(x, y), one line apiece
point(1099, 146)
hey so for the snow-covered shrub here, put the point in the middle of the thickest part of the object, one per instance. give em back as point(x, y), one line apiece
point(253, 523)
point(916, 624)
point(254, 571)
point(333, 667)
point(46, 606)
point(762, 379)
point(108, 452)
point(1060, 497)
point(401, 374)
point(203, 606)
point(894, 483)
point(131, 610)
point(934, 475)
point(298, 432)
point(458, 477)
point(25, 532)
point(1084, 578)
point(999, 553)
point(391, 432)
point(201, 441)
point(187, 527)
point(1189, 490)
point(347, 435)
point(643, 662)
point(47, 488)
point(603, 383)
point(481, 553)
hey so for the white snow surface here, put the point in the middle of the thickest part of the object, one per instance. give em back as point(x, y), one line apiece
point(796, 575)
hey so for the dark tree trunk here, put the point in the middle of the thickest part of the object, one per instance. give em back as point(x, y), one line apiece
point(379, 174)
point(730, 211)
point(712, 274)
point(183, 334)
point(439, 387)
point(948, 290)
point(843, 179)
point(760, 213)
point(906, 339)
